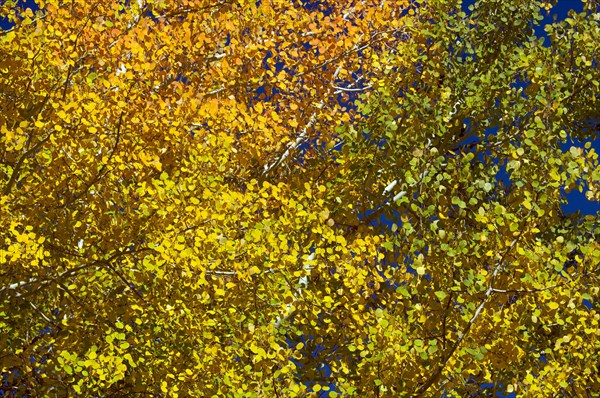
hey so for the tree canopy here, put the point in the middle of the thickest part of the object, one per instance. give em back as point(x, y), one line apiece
point(282, 198)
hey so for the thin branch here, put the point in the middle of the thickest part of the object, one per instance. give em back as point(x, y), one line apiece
point(128, 284)
point(103, 168)
point(302, 136)
point(535, 290)
point(41, 313)
point(429, 382)
point(215, 91)
point(352, 89)
point(65, 274)
point(15, 173)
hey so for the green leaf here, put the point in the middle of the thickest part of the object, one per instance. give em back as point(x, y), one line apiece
point(440, 295)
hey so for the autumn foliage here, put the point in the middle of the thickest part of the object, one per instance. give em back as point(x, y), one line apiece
point(282, 198)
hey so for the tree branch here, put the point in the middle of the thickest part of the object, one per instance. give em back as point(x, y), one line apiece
point(432, 379)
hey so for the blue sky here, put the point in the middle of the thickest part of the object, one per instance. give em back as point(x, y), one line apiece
point(576, 200)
